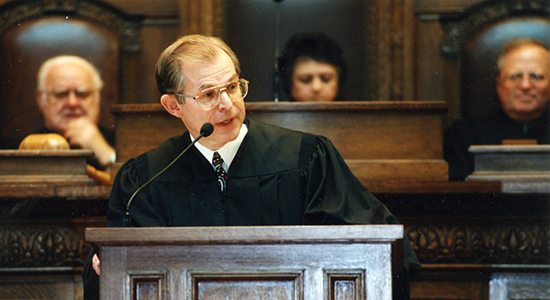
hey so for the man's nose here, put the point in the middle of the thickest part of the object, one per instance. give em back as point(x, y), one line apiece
point(72, 99)
point(225, 100)
point(525, 82)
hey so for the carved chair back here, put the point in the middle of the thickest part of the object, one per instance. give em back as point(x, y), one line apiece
point(33, 31)
point(475, 39)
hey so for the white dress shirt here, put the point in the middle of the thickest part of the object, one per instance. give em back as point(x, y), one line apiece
point(227, 152)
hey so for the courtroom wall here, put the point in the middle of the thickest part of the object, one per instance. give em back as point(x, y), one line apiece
point(394, 47)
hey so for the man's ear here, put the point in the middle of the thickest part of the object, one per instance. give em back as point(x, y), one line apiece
point(170, 103)
point(498, 82)
point(41, 101)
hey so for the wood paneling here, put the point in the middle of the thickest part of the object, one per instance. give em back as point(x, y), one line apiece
point(41, 285)
point(381, 140)
point(268, 262)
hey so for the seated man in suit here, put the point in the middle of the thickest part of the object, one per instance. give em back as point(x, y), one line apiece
point(312, 68)
point(245, 173)
point(68, 95)
point(523, 87)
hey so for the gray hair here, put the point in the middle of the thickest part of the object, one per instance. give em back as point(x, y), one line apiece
point(66, 59)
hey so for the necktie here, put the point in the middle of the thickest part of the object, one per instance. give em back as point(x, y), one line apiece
point(222, 175)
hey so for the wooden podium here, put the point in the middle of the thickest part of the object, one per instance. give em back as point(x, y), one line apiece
point(281, 262)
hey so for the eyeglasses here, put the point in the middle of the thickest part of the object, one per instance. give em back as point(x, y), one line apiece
point(514, 79)
point(210, 97)
point(63, 96)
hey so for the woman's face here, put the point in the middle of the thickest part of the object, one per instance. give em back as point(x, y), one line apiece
point(314, 81)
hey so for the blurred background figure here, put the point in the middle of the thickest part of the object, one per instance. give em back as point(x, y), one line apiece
point(523, 87)
point(312, 68)
point(68, 96)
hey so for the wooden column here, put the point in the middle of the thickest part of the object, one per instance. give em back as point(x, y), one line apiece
point(392, 24)
point(203, 17)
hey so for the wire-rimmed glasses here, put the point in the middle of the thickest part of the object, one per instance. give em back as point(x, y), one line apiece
point(515, 79)
point(210, 97)
point(62, 96)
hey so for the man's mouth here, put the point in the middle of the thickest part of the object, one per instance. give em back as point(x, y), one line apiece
point(525, 99)
point(71, 116)
point(226, 122)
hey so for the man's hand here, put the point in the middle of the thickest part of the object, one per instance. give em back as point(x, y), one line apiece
point(96, 264)
point(85, 134)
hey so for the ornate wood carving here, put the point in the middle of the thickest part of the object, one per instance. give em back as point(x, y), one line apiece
point(458, 29)
point(49, 246)
point(59, 5)
point(452, 242)
point(126, 27)
point(468, 243)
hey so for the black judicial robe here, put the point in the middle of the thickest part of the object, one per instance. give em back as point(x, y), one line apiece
point(487, 130)
point(278, 177)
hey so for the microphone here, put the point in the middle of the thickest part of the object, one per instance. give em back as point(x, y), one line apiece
point(206, 130)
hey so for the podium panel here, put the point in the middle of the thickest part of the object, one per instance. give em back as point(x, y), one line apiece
point(281, 262)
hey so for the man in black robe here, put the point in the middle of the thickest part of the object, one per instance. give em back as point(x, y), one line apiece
point(270, 176)
point(523, 86)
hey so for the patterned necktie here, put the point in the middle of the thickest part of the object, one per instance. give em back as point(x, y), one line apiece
point(222, 175)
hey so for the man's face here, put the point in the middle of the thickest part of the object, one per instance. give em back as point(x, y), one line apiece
point(524, 83)
point(69, 93)
point(314, 81)
point(228, 116)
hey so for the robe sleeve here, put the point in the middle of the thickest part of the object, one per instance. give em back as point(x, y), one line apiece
point(456, 141)
point(335, 196)
point(133, 174)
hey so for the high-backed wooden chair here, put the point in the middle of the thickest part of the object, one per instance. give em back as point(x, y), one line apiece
point(475, 39)
point(33, 31)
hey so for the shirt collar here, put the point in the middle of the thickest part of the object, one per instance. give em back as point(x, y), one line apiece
point(227, 152)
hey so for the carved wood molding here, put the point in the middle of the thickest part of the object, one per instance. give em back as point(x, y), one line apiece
point(449, 242)
point(50, 246)
point(457, 29)
point(486, 243)
point(125, 27)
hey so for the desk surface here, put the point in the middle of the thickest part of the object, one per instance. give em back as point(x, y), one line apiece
point(91, 191)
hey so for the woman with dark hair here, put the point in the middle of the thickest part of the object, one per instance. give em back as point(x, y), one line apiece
point(312, 68)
